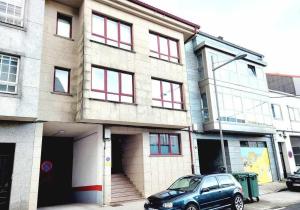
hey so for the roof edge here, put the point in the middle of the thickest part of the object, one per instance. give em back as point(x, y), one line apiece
point(283, 75)
point(162, 12)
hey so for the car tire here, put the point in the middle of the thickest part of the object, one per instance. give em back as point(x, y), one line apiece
point(237, 203)
point(191, 207)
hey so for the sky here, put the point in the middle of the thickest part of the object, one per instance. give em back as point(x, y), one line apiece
point(269, 27)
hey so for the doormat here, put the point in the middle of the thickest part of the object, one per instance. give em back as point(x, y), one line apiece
point(116, 205)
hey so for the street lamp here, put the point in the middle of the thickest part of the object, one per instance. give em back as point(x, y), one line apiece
point(238, 57)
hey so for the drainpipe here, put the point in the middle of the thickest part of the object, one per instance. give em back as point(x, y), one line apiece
point(191, 150)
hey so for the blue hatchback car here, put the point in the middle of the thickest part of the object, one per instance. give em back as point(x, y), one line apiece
point(195, 192)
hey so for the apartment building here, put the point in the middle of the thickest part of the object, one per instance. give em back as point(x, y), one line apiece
point(286, 120)
point(245, 109)
point(113, 101)
point(21, 29)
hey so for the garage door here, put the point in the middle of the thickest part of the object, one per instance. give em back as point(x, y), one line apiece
point(256, 159)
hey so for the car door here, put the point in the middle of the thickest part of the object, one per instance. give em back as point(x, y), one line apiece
point(227, 186)
point(209, 193)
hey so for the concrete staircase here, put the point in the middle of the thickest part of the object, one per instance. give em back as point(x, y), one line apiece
point(122, 189)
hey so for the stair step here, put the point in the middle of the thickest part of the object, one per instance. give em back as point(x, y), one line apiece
point(120, 190)
point(125, 194)
point(127, 198)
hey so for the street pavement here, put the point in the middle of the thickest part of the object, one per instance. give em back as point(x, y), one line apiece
point(285, 200)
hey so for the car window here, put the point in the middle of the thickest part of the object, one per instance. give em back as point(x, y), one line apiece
point(186, 184)
point(225, 181)
point(211, 183)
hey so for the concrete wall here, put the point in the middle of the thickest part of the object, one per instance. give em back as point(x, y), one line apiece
point(25, 42)
point(137, 62)
point(87, 171)
point(61, 52)
point(25, 178)
point(133, 160)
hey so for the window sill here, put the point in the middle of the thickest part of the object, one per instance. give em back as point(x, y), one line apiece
point(158, 107)
point(66, 38)
point(131, 51)
point(9, 95)
point(63, 94)
point(114, 102)
point(21, 28)
point(165, 155)
point(179, 64)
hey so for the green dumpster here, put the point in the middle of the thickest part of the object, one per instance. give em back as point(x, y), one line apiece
point(242, 179)
point(253, 186)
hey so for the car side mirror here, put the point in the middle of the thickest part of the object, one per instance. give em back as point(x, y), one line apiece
point(206, 189)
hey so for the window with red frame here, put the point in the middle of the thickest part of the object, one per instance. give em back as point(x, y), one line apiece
point(111, 32)
point(164, 144)
point(166, 94)
point(112, 85)
point(164, 48)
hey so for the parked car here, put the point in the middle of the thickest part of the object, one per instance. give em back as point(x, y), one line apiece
point(197, 192)
point(293, 181)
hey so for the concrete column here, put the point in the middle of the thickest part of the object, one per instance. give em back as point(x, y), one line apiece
point(107, 172)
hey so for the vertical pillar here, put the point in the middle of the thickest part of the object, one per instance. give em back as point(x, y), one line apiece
point(107, 170)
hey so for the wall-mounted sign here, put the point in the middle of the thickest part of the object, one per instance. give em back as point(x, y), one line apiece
point(290, 154)
point(46, 166)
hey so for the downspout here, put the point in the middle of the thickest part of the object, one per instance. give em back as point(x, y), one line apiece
point(191, 151)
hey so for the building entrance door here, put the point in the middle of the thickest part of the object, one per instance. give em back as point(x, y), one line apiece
point(6, 167)
point(280, 144)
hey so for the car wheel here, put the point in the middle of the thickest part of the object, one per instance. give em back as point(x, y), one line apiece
point(238, 203)
point(191, 207)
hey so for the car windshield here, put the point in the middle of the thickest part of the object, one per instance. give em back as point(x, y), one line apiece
point(185, 184)
point(298, 171)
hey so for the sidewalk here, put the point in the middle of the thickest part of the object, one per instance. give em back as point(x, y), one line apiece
point(272, 188)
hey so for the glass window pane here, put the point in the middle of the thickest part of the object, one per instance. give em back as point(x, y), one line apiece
point(211, 183)
point(163, 45)
point(164, 144)
point(3, 88)
point(112, 82)
point(167, 91)
point(11, 89)
point(125, 46)
point(174, 144)
point(97, 79)
point(156, 89)
point(64, 27)
point(153, 43)
point(156, 103)
point(127, 99)
point(4, 77)
point(173, 48)
point(154, 54)
point(177, 92)
point(126, 83)
point(61, 83)
point(238, 103)
point(12, 78)
point(168, 105)
point(112, 30)
point(113, 43)
point(113, 97)
point(125, 33)
point(177, 106)
point(154, 144)
point(98, 25)
point(175, 60)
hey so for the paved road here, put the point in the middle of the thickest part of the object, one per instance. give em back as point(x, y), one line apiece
point(293, 207)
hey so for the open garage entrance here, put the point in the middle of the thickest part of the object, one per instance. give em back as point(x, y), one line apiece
point(55, 183)
point(210, 156)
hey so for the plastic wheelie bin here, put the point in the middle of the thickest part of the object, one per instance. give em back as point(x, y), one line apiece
point(242, 178)
point(253, 186)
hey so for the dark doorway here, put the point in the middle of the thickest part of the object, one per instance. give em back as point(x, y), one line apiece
point(116, 151)
point(210, 156)
point(280, 146)
point(7, 152)
point(55, 184)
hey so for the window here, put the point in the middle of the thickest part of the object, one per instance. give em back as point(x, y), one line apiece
point(294, 114)
point(112, 85)
point(251, 70)
point(11, 12)
point(205, 113)
point(64, 25)
point(9, 67)
point(296, 151)
point(61, 80)
point(112, 32)
point(210, 183)
point(259, 144)
point(164, 144)
point(200, 65)
point(225, 181)
point(164, 48)
point(166, 94)
point(276, 111)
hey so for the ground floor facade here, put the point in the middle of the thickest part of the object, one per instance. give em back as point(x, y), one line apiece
point(288, 152)
point(244, 153)
point(56, 163)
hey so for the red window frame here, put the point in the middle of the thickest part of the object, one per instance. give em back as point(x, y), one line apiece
point(65, 17)
point(173, 102)
point(106, 92)
point(169, 141)
point(160, 54)
point(106, 38)
point(69, 76)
